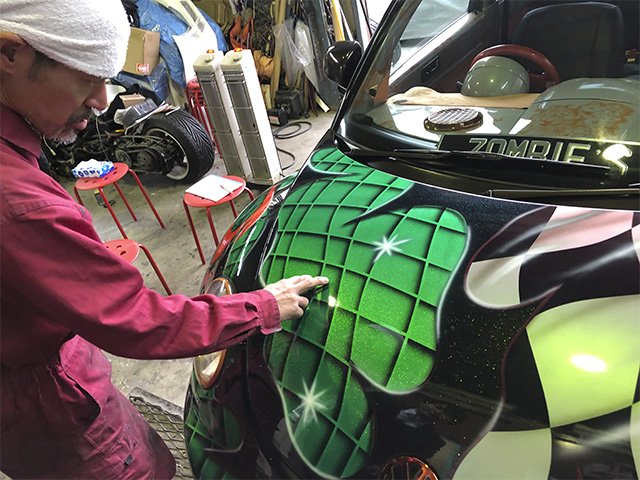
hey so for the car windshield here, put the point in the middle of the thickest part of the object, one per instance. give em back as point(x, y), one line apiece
point(452, 85)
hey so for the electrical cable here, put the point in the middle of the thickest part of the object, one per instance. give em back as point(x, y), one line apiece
point(287, 153)
point(299, 125)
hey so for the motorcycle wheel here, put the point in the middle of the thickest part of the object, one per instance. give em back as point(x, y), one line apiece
point(194, 154)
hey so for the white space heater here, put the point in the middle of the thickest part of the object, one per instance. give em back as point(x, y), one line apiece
point(241, 78)
point(238, 87)
point(220, 111)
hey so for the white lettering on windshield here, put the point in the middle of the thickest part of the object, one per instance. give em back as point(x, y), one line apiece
point(539, 149)
point(570, 157)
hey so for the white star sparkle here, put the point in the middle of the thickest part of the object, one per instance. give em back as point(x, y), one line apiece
point(310, 403)
point(388, 246)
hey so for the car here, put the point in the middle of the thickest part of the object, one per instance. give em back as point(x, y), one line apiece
point(475, 205)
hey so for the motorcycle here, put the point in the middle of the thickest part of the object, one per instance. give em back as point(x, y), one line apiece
point(163, 140)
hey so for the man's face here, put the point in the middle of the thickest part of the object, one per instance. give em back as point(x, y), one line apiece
point(55, 99)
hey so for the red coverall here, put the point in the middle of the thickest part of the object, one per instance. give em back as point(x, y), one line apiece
point(61, 291)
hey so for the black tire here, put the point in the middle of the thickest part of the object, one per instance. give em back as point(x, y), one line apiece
point(194, 145)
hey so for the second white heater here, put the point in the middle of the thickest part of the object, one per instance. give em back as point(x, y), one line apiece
point(241, 78)
point(233, 98)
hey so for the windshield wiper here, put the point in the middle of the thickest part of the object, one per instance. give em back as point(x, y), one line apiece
point(452, 159)
point(396, 153)
point(568, 192)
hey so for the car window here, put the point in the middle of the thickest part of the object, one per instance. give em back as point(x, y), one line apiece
point(429, 19)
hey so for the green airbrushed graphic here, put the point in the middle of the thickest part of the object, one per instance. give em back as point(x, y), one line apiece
point(388, 268)
point(218, 429)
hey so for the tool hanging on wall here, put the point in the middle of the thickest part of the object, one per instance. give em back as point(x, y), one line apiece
point(239, 36)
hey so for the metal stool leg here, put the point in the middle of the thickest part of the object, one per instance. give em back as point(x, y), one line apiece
point(115, 184)
point(193, 230)
point(233, 209)
point(144, 192)
point(113, 214)
point(155, 267)
point(108, 205)
point(213, 229)
point(75, 190)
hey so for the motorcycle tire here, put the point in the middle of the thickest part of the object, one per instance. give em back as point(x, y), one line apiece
point(194, 145)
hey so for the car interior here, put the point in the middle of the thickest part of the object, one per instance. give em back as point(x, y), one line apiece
point(557, 30)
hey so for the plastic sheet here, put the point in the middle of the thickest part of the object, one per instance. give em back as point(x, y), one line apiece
point(315, 18)
point(156, 82)
point(294, 58)
point(303, 40)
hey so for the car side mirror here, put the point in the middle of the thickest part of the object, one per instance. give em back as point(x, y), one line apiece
point(341, 61)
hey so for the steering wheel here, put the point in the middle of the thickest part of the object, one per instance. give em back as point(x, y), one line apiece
point(539, 81)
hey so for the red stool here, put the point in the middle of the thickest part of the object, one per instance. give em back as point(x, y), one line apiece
point(191, 200)
point(119, 171)
point(198, 108)
point(129, 250)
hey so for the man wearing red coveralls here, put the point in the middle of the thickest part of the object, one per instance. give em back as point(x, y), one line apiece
point(61, 417)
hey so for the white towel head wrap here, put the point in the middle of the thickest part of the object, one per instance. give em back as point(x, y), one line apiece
point(86, 35)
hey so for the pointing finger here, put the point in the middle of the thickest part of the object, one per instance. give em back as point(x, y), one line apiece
point(297, 280)
point(310, 282)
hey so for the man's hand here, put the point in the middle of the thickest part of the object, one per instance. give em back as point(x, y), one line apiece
point(288, 293)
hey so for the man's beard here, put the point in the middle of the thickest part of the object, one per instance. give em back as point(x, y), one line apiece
point(71, 134)
point(67, 138)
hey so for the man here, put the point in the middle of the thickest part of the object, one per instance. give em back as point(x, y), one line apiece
point(62, 292)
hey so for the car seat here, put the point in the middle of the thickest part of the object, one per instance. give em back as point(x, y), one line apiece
point(581, 39)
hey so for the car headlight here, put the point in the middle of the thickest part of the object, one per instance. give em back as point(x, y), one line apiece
point(208, 367)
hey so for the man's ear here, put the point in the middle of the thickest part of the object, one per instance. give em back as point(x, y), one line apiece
point(13, 51)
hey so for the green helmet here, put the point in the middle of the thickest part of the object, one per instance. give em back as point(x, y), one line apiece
point(495, 76)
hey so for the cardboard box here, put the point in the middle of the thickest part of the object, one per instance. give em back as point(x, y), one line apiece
point(143, 52)
point(133, 99)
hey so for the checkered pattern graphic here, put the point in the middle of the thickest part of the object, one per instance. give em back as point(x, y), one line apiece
point(583, 340)
point(389, 263)
point(375, 324)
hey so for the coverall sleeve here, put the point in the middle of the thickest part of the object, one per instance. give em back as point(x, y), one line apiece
point(70, 278)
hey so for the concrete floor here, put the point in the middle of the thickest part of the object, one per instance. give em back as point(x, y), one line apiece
point(174, 250)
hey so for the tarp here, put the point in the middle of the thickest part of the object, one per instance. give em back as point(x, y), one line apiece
point(157, 18)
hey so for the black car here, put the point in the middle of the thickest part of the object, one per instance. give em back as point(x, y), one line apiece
point(475, 205)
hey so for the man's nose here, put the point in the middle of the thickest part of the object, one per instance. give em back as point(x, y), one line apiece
point(98, 97)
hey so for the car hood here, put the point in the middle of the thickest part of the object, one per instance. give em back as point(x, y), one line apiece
point(584, 109)
point(438, 333)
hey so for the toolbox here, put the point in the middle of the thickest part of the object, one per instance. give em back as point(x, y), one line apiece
point(291, 101)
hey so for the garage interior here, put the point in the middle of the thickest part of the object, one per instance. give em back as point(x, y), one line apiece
point(157, 387)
